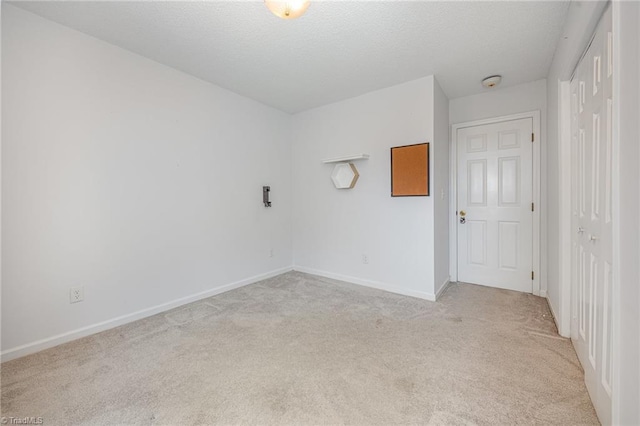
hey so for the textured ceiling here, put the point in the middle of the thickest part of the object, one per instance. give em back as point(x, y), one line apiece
point(337, 50)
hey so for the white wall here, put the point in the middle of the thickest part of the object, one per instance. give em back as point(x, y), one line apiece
point(498, 102)
point(0, 180)
point(137, 181)
point(556, 176)
point(440, 187)
point(626, 98)
point(333, 228)
point(580, 24)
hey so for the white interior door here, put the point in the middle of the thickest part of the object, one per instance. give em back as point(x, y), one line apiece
point(591, 204)
point(495, 199)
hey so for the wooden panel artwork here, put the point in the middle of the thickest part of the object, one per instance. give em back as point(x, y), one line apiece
point(410, 170)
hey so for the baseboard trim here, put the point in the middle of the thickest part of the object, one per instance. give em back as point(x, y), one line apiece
point(443, 287)
point(555, 319)
point(69, 336)
point(367, 283)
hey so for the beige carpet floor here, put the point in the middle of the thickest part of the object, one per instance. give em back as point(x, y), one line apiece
point(299, 349)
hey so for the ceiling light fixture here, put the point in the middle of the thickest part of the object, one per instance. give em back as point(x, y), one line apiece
point(492, 81)
point(287, 9)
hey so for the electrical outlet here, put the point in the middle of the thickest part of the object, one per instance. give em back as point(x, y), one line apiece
point(365, 259)
point(76, 294)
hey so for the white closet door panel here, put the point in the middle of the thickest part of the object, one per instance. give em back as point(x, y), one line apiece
point(591, 281)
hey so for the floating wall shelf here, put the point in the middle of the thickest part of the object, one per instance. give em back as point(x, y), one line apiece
point(345, 175)
point(345, 159)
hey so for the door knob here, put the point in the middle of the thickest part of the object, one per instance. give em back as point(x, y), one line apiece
point(463, 213)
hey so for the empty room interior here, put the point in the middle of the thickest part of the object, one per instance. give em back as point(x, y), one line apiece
point(320, 212)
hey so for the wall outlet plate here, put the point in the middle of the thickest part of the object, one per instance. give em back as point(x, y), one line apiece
point(76, 294)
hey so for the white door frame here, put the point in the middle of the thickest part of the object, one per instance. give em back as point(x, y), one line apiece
point(537, 213)
point(563, 318)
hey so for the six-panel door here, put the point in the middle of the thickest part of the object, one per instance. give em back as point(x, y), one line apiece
point(494, 187)
point(591, 205)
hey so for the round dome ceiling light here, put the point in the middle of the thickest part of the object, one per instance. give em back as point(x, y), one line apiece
point(492, 81)
point(290, 9)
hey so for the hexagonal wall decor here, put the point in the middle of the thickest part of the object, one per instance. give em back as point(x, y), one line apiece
point(345, 176)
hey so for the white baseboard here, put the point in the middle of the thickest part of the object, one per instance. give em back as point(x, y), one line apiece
point(561, 331)
point(367, 283)
point(443, 288)
point(59, 339)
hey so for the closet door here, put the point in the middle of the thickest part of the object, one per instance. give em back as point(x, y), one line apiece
point(591, 267)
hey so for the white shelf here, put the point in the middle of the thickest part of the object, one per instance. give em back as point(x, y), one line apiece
point(349, 158)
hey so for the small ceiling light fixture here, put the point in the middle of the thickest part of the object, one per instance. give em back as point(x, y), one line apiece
point(290, 9)
point(492, 81)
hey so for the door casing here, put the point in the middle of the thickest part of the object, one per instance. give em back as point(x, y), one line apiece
point(539, 281)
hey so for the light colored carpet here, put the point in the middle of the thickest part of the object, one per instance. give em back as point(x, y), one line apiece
point(299, 349)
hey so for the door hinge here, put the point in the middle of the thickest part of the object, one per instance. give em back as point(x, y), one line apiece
point(532, 137)
point(532, 207)
point(532, 275)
